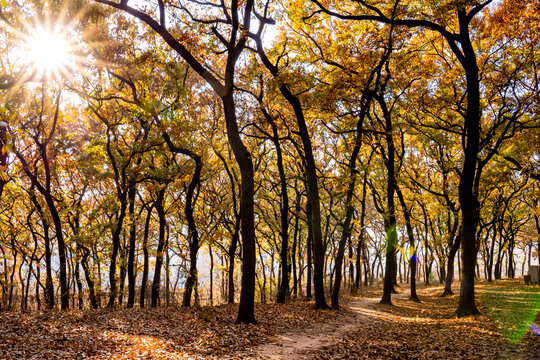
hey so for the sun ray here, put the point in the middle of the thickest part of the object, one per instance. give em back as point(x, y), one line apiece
point(48, 43)
point(49, 52)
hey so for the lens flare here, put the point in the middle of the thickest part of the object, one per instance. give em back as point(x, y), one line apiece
point(535, 329)
point(49, 52)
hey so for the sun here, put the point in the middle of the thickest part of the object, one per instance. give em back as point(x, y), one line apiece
point(49, 52)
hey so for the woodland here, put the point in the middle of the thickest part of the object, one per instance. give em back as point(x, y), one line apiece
point(197, 178)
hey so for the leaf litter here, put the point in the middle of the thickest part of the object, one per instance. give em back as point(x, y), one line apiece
point(364, 329)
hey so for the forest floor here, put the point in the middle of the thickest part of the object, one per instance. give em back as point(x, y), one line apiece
point(363, 329)
point(507, 329)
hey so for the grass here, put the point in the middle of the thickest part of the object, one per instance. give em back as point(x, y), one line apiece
point(512, 306)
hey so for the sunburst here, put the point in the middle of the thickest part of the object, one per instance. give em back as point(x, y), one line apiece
point(49, 53)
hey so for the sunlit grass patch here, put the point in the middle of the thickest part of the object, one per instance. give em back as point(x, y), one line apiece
point(513, 307)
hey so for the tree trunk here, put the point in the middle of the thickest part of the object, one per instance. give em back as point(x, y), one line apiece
point(192, 229)
point(144, 280)
point(232, 259)
point(132, 278)
point(349, 209)
point(123, 271)
point(311, 181)
point(455, 241)
point(88, 276)
point(79, 285)
point(211, 274)
point(284, 290)
point(313, 194)
point(537, 223)
point(390, 216)
point(410, 234)
point(246, 310)
point(49, 287)
point(351, 266)
point(468, 197)
point(193, 235)
point(167, 271)
point(3, 157)
point(235, 236)
point(64, 288)
point(297, 233)
point(160, 249)
point(114, 255)
point(309, 249)
point(45, 190)
point(368, 276)
point(491, 254)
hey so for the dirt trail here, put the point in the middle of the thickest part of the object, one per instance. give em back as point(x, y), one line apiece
point(298, 343)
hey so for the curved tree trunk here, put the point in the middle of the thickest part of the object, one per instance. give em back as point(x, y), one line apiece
point(156, 283)
point(49, 287)
point(296, 236)
point(468, 197)
point(360, 251)
point(3, 157)
point(193, 235)
point(390, 216)
point(232, 260)
point(235, 234)
point(132, 245)
point(313, 194)
point(410, 234)
point(64, 287)
point(235, 45)
point(144, 280)
point(455, 241)
point(309, 249)
point(346, 231)
point(45, 190)
point(284, 289)
point(246, 310)
point(192, 229)
point(311, 181)
point(353, 172)
point(88, 276)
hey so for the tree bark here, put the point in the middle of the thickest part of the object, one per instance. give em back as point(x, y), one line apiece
point(132, 190)
point(156, 283)
point(232, 260)
point(296, 236)
point(235, 234)
point(144, 280)
point(246, 310)
point(49, 287)
point(361, 240)
point(192, 229)
point(390, 216)
point(349, 209)
point(309, 249)
point(45, 190)
point(346, 231)
point(3, 157)
point(284, 290)
point(410, 234)
point(455, 241)
point(468, 197)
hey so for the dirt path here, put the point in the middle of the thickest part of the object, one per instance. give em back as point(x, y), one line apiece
point(426, 330)
point(297, 344)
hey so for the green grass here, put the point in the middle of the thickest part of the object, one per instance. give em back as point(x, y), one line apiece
point(512, 306)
